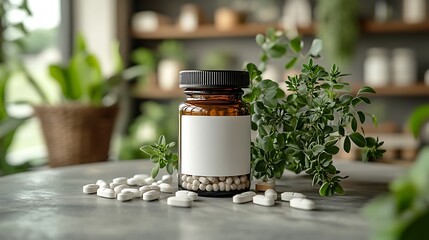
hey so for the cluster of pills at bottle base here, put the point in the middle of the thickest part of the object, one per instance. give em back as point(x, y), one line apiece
point(296, 200)
point(144, 187)
point(200, 183)
point(140, 186)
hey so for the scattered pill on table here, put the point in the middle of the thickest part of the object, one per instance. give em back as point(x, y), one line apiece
point(124, 196)
point(271, 193)
point(151, 195)
point(165, 188)
point(132, 181)
point(184, 193)
point(119, 188)
point(141, 176)
point(106, 193)
point(263, 200)
point(113, 185)
point(149, 180)
point(167, 179)
point(90, 188)
point(243, 197)
point(302, 203)
point(145, 189)
point(155, 187)
point(287, 196)
point(137, 193)
point(179, 202)
point(120, 180)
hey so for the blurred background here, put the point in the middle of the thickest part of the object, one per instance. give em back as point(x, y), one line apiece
point(381, 43)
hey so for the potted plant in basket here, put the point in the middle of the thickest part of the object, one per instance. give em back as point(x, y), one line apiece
point(78, 130)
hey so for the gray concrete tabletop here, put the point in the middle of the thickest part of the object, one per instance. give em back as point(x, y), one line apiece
point(49, 204)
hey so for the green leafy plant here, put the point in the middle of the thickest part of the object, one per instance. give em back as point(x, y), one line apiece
point(300, 131)
point(172, 50)
point(419, 117)
point(161, 156)
point(82, 79)
point(12, 37)
point(403, 213)
point(338, 28)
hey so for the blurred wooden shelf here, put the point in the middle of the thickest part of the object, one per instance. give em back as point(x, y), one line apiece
point(394, 27)
point(418, 90)
point(210, 31)
point(251, 29)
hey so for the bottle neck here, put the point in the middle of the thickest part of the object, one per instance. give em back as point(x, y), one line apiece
point(224, 94)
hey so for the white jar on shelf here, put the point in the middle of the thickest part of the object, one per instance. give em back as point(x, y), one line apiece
point(414, 11)
point(376, 67)
point(404, 67)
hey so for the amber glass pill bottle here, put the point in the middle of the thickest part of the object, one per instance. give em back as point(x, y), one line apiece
point(214, 133)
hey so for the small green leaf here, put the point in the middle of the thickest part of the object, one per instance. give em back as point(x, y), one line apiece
point(358, 139)
point(375, 121)
point(361, 116)
point(354, 124)
point(148, 150)
point(366, 89)
point(161, 140)
point(170, 168)
point(260, 166)
point(324, 189)
point(291, 63)
point(317, 149)
point(338, 189)
point(332, 150)
point(296, 44)
point(155, 170)
point(277, 51)
point(260, 39)
point(365, 99)
point(347, 144)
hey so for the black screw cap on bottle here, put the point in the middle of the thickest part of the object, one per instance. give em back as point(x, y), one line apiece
point(213, 79)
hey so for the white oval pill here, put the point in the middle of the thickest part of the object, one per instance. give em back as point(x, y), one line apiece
point(242, 198)
point(102, 184)
point(118, 189)
point(204, 180)
point(136, 192)
point(215, 187)
point(191, 195)
point(221, 186)
point(145, 189)
point(167, 179)
point(179, 201)
point(120, 180)
point(151, 195)
point(302, 203)
point(229, 180)
point(287, 196)
point(263, 201)
point(124, 196)
point(90, 188)
point(141, 176)
point(149, 180)
point(132, 181)
point(113, 185)
point(166, 188)
point(209, 188)
point(106, 193)
point(154, 187)
point(271, 193)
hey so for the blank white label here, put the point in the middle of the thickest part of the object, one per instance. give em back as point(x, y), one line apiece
point(215, 145)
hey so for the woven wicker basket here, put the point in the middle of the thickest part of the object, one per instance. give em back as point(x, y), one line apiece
point(75, 133)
